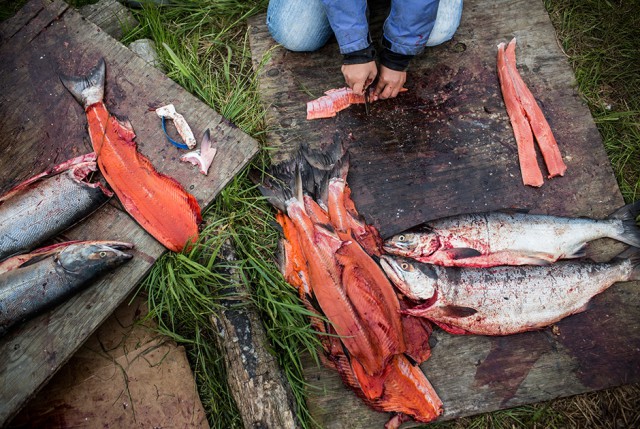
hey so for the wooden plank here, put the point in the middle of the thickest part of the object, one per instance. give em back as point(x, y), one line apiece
point(42, 125)
point(125, 375)
point(446, 147)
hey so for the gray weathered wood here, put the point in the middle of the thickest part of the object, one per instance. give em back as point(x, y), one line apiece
point(446, 147)
point(255, 379)
point(111, 16)
point(43, 125)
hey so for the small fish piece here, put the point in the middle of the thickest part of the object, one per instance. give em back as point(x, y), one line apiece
point(336, 100)
point(169, 111)
point(511, 238)
point(156, 201)
point(203, 157)
point(506, 300)
point(529, 169)
point(48, 203)
point(50, 277)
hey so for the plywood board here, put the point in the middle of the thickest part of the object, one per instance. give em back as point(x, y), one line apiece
point(446, 147)
point(43, 125)
point(124, 375)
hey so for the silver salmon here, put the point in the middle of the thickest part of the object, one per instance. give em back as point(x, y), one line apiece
point(47, 204)
point(505, 300)
point(43, 281)
point(510, 238)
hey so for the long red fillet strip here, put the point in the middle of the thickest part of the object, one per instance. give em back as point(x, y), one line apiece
point(156, 201)
point(541, 129)
point(529, 169)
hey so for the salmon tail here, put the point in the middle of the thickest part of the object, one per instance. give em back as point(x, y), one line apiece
point(631, 254)
point(322, 166)
point(276, 184)
point(628, 214)
point(88, 89)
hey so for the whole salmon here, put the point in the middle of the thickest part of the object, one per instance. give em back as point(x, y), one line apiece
point(156, 201)
point(511, 238)
point(45, 281)
point(505, 300)
point(49, 203)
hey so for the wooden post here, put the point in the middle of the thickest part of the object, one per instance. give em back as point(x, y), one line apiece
point(258, 386)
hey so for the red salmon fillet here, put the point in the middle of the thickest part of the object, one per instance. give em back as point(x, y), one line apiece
point(156, 201)
point(539, 125)
point(531, 174)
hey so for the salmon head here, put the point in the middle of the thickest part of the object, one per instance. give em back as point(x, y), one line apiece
point(91, 256)
point(413, 243)
point(417, 281)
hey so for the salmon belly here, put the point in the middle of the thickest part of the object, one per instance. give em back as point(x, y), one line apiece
point(156, 201)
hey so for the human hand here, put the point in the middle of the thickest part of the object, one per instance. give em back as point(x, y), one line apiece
point(359, 76)
point(390, 82)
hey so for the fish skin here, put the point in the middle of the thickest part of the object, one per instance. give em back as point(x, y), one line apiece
point(510, 238)
point(45, 281)
point(506, 300)
point(156, 201)
point(47, 204)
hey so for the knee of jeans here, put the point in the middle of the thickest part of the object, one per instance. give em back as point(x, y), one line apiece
point(299, 35)
point(447, 22)
point(298, 41)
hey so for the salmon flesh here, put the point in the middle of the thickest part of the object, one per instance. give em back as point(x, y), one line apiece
point(38, 283)
point(47, 204)
point(510, 238)
point(157, 202)
point(505, 300)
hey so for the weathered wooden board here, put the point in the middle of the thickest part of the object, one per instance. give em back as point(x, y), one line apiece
point(446, 147)
point(42, 125)
point(125, 375)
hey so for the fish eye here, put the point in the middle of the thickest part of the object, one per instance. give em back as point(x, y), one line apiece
point(401, 238)
point(102, 254)
point(404, 266)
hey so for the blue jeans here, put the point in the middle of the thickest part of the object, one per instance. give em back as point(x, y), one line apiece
point(302, 25)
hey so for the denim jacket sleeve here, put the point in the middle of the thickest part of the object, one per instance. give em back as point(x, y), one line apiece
point(407, 27)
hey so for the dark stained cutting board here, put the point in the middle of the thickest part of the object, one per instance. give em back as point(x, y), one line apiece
point(41, 124)
point(446, 147)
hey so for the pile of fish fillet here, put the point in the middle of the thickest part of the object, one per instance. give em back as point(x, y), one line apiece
point(478, 274)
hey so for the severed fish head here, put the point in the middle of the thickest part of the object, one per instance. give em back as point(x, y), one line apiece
point(91, 256)
point(413, 244)
point(417, 281)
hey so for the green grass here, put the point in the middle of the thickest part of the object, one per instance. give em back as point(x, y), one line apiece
point(602, 41)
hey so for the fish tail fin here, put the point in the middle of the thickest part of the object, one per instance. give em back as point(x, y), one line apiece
point(277, 184)
point(628, 214)
point(88, 89)
point(631, 254)
point(324, 165)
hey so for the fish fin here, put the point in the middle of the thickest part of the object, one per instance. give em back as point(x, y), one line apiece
point(277, 183)
point(633, 254)
point(461, 252)
point(458, 311)
point(580, 252)
point(88, 89)
point(627, 214)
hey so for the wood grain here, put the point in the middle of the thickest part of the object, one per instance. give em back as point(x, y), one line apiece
point(446, 147)
point(43, 125)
